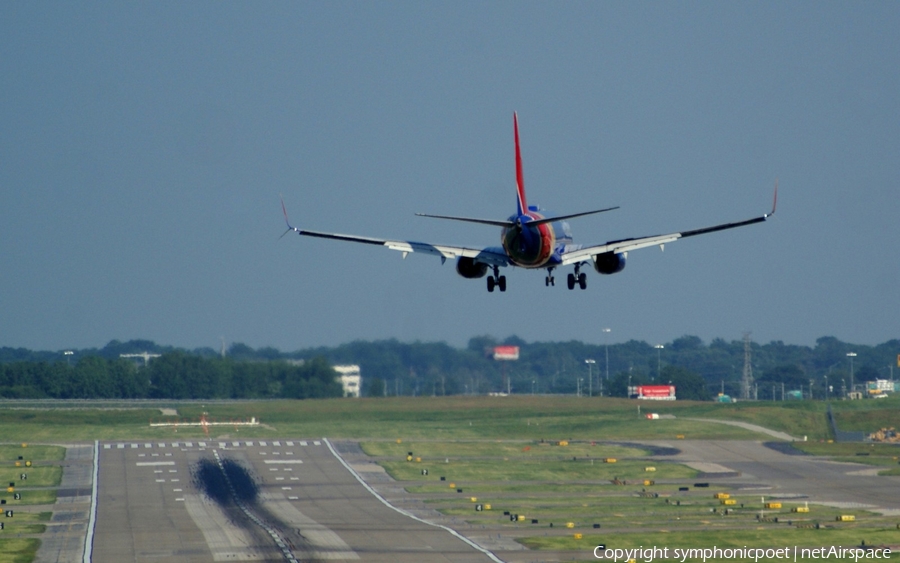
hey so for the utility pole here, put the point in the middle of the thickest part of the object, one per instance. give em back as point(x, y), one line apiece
point(851, 355)
point(606, 350)
point(590, 364)
point(747, 376)
point(659, 348)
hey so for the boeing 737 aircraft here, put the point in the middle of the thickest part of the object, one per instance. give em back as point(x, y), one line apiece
point(531, 240)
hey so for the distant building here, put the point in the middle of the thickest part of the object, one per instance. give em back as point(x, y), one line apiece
point(880, 386)
point(349, 377)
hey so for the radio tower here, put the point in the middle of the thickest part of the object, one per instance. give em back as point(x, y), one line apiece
point(747, 377)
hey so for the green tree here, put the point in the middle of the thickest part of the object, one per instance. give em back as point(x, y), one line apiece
point(618, 385)
point(688, 385)
point(790, 375)
point(313, 380)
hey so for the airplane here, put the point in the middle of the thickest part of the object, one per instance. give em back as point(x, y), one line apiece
point(531, 240)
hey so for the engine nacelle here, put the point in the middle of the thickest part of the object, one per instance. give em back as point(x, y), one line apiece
point(470, 269)
point(609, 263)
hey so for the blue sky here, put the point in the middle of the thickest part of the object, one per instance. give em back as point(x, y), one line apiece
point(143, 148)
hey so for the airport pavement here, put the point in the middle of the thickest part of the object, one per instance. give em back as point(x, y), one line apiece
point(151, 508)
point(771, 472)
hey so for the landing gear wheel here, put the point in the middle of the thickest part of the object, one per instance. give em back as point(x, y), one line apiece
point(547, 281)
point(570, 280)
point(582, 280)
point(501, 283)
point(491, 282)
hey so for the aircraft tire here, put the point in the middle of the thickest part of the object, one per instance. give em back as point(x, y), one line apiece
point(582, 280)
point(501, 282)
point(570, 280)
point(490, 283)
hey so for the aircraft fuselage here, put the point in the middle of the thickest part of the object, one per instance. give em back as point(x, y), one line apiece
point(537, 246)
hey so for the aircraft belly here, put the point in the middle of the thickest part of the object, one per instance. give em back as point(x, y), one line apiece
point(553, 260)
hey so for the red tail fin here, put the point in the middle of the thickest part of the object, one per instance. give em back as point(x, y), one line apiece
point(520, 180)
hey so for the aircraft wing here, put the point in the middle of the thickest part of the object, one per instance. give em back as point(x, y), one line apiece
point(625, 245)
point(489, 256)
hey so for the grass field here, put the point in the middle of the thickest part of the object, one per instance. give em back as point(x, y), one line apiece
point(18, 550)
point(525, 449)
point(45, 476)
point(869, 415)
point(523, 417)
point(31, 453)
point(535, 470)
point(29, 497)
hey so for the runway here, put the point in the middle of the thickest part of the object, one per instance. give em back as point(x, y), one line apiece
point(162, 501)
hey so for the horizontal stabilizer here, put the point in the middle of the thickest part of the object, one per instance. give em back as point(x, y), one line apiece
point(470, 220)
point(572, 216)
point(533, 223)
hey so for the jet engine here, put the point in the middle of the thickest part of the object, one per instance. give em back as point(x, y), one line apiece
point(609, 263)
point(470, 269)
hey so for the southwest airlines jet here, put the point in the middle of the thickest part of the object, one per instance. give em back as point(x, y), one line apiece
point(531, 240)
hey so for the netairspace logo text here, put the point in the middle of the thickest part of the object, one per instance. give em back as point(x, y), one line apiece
point(650, 554)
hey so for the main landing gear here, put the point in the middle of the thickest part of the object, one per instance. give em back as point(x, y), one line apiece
point(578, 277)
point(496, 280)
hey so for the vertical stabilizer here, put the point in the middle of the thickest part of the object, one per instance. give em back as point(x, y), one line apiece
point(520, 181)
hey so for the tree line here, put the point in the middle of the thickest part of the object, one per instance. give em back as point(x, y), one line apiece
point(389, 367)
point(173, 375)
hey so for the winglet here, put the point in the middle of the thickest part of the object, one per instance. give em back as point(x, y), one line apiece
point(286, 220)
point(774, 199)
point(520, 180)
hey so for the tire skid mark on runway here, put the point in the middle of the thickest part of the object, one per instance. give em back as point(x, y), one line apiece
point(247, 492)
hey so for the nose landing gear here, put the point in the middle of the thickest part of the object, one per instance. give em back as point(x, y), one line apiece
point(549, 280)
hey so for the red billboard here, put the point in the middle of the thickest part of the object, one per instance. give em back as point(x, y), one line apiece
point(506, 352)
point(657, 392)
